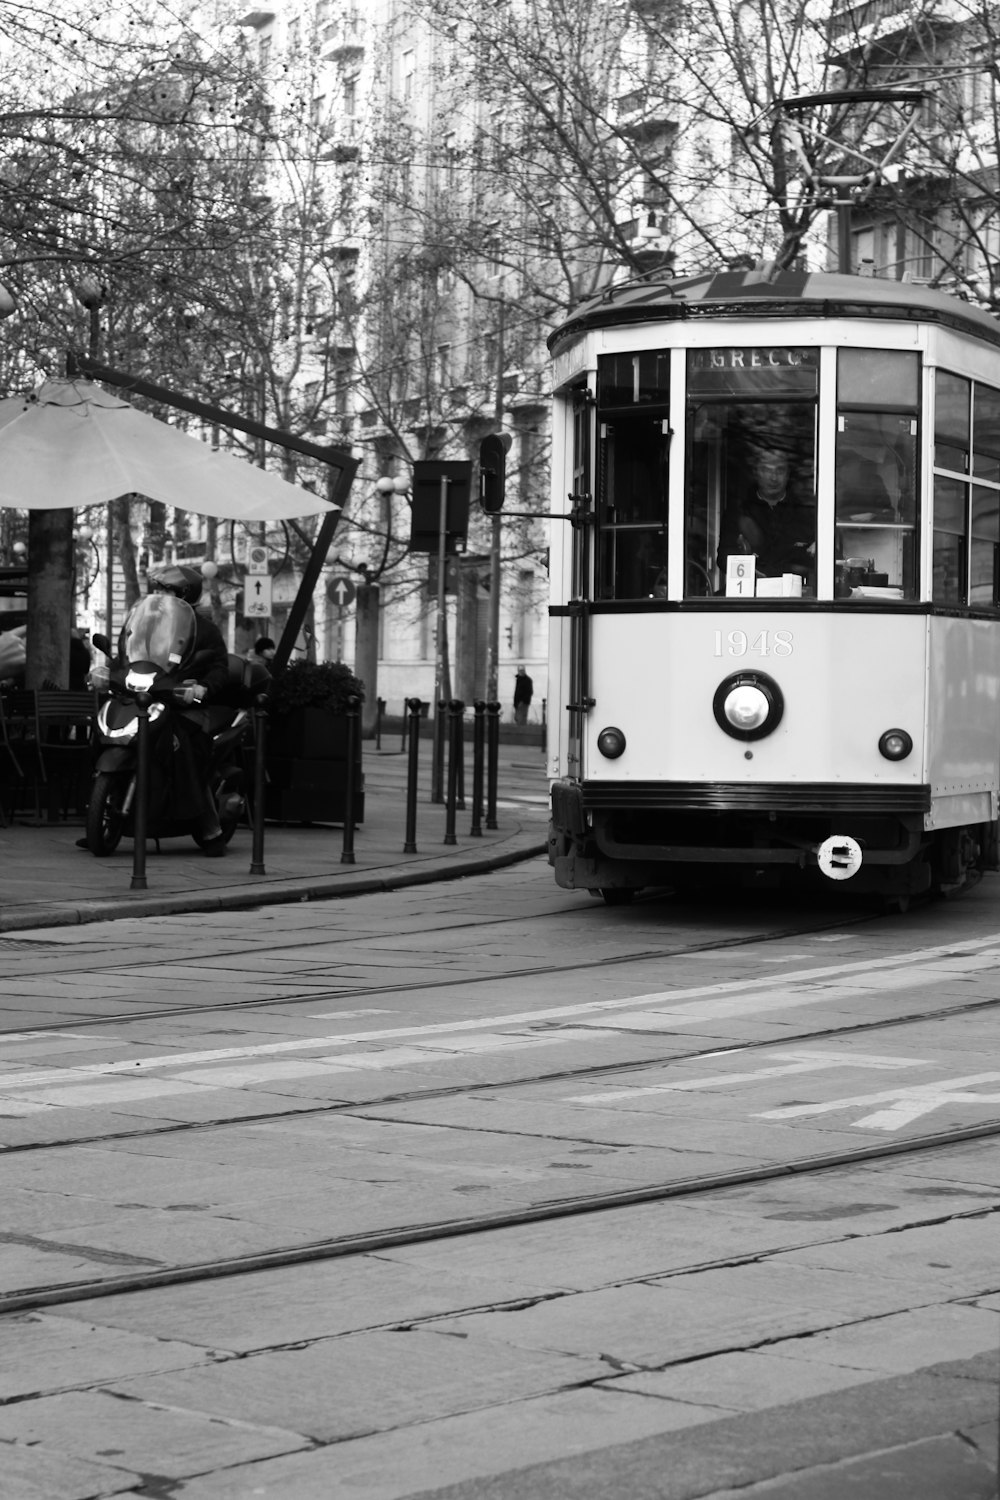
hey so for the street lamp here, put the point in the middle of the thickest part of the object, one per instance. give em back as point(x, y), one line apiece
point(92, 295)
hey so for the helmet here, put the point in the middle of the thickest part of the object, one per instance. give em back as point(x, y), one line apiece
point(184, 583)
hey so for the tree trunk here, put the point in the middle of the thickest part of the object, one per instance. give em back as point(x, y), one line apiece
point(50, 597)
point(124, 548)
point(366, 651)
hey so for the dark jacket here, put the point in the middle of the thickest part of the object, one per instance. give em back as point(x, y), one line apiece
point(211, 665)
point(778, 534)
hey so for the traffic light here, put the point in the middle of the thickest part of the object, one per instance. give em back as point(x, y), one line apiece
point(493, 452)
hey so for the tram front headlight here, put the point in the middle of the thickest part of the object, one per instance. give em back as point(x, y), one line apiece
point(611, 742)
point(895, 744)
point(748, 705)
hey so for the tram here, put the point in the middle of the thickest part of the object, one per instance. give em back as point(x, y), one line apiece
point(775, 573)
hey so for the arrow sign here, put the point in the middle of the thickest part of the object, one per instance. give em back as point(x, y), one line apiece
point(257, 592)
point(341, 591)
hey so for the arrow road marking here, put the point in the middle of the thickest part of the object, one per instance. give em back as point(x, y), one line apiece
point(801, 1060)
point(904, 1104)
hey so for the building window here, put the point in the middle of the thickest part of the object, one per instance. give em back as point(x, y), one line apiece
point(408, 69)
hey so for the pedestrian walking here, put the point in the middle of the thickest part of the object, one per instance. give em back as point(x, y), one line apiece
point(523, 689)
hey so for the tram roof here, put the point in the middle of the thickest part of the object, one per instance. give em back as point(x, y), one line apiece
point(760, 294)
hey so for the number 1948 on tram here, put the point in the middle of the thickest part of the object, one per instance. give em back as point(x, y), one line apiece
point(775, 616)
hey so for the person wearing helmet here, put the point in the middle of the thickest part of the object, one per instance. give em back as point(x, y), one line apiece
point(212, 662)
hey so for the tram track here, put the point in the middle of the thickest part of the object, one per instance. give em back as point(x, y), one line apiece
point(403, 988)
point(366, 1242)
point(437, 1093)
point(36, 1299)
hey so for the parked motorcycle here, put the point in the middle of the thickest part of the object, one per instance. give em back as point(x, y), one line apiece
point(155, 657)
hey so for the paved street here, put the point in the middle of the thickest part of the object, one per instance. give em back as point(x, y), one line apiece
point(481, 1188)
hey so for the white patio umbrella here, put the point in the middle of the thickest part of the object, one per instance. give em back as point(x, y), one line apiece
point(71, 443)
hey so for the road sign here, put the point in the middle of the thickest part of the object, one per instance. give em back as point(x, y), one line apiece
point(257, 558)
point(428, 475)
point(257, 597)
point(340, 591)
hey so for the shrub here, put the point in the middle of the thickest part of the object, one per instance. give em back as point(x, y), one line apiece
point(310, 684)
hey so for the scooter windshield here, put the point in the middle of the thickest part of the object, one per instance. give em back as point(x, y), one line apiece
point(160, 629)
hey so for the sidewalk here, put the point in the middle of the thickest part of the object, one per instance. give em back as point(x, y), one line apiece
point(46, 881)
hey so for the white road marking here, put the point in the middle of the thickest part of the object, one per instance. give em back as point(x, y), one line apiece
point(663, 1011)
point(801, 1060)
point(904, 1104)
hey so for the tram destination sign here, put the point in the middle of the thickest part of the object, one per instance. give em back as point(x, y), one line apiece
point(753, 370)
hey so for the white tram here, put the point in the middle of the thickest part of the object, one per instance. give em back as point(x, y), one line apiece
point(731, 704)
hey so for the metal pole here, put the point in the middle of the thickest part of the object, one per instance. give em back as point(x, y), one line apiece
point(109, 582)
point(439, 637)
point(140, 808)
point(478, 741)
point(413, 711)
point(493, 624)
point(351, 780)
point(492, 756)
point(437, 752)
point(844, 238)
point(259, 784)
point(456, 708)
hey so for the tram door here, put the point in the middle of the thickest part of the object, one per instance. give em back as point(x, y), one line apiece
point(580, 588)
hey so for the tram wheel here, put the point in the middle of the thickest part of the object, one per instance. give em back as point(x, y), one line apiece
point(895, 906)
point(618, 895)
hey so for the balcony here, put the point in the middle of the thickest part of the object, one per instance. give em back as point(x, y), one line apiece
point(342, 40)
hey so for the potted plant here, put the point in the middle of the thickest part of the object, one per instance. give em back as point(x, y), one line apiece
point(307, 741)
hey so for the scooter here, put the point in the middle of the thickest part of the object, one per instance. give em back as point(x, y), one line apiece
point(156, 655)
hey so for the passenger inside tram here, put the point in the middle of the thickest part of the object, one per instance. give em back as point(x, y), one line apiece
point(773, 520)
point(751, 492)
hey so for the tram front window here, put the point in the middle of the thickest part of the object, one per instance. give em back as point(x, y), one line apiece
point(751, 472)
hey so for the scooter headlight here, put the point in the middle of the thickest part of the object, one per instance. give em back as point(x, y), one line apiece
point(748, 705)
point(140, 679)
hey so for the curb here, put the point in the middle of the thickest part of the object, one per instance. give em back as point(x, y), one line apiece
point(242, 898)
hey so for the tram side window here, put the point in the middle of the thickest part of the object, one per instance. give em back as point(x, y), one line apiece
point(751, 469)
point(966, 492)
point(634, 452)
point(632, 516)
point(875, 475)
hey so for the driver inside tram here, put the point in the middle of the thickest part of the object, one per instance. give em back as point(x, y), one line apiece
point(772, 521)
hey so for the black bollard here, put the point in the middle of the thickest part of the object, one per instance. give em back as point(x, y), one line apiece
point(437, 763)
point(351, 781)
point(259, 783)
point(492, 759)
point(478, 744)
point(460, 784)
point(140, 807)
point(413, 707)
point(456, 708)
point(379, 711)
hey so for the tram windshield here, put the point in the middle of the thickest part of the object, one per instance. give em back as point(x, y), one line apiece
point(751, 488)
point(752, 454)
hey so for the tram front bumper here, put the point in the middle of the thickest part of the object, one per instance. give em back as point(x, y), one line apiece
point(833, 827)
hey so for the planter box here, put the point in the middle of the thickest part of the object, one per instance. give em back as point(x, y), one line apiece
point(309, 791)
point(307, 769)
point(308, 734)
